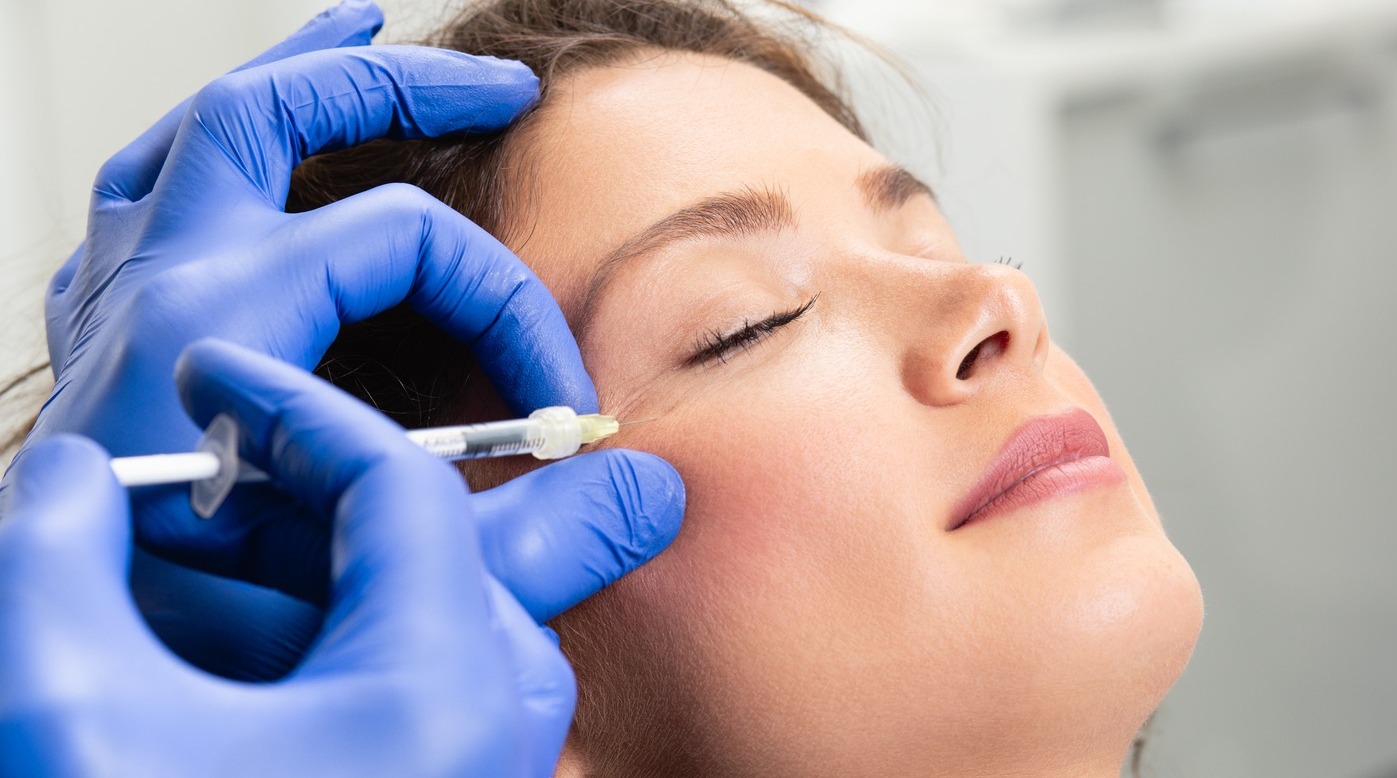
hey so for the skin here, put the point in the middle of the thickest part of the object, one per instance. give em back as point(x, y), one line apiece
point(815, 617)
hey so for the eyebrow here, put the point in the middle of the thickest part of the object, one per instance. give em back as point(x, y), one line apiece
point(890, 186)
point(744, 212)
point(748, 211)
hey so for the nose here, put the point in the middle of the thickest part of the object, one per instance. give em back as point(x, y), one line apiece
point(975, 326)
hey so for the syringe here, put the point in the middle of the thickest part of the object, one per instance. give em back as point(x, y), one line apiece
point(214, 467)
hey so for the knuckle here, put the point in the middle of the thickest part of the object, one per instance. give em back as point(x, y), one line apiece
point(403, 211)
point(402, 199)
point(111, 170)
point(165, 311)
point(399, 191)
point(230, 93)
point(159, 303)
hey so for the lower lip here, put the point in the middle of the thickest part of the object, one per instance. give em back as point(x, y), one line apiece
point(1051, 482)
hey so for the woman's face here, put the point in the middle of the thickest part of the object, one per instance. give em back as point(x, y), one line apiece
point(834, 381)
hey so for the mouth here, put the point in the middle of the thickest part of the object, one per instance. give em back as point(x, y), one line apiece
point(1046, 458)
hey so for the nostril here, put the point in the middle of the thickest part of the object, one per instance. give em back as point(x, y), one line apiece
point(966, 364)
point(985, 350)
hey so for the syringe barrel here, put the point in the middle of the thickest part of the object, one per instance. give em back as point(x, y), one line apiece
point(480, 441)
point(548, 433)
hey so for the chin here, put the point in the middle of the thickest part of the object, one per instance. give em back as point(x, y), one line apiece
point(1126, 636)
point(1094, 634)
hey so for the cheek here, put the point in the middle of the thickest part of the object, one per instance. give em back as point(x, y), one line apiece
point(812, 587)
point(806, 583)
point(781, 595)
point(796, 535)
point(782, 504)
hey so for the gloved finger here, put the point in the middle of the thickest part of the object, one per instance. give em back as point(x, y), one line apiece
point(131, 172)
point(56, 319)
point(64, 544)
point(64, 275)
point(404, 558)
point(543, 680)
point(369, 252)
point(248, 131)
point(556, 536)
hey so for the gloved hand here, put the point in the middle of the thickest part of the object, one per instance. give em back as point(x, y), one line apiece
point(427, 665)
point(187, 238)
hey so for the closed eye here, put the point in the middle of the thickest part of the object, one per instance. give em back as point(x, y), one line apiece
point(718, 347)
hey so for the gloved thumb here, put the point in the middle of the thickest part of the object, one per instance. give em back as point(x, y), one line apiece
point(557, 535)
point(65, 541)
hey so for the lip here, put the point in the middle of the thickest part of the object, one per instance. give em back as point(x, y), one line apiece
point(1046, 458)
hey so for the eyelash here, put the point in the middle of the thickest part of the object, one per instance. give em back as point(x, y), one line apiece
point(1010, 262)
point(717, 346)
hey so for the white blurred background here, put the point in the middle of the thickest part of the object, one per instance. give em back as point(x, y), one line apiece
point(1205, 192)
point(1206, 195)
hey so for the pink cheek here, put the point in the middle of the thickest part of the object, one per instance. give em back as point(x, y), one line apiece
point(779, 517)
point(743, 496)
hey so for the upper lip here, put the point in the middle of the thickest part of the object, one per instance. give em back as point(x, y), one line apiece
point(1039, 443)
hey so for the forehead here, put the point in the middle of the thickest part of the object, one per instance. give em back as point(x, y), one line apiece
point(620, 147)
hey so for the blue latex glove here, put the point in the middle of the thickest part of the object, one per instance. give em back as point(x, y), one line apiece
point(187, 238)
point(427, 665)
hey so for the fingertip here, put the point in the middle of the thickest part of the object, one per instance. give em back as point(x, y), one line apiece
point(65, 546)
point(504, 70)
point(353, 19)
point(367, 18)
point(56, 465)
point(512, 86)
point(69, 500)
point(558, 535)
point(194, 354)
point(190, 367)
point(524, 82)
point(656, 500)
point(350, 23)
point(553, 375)
point(214, 376)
